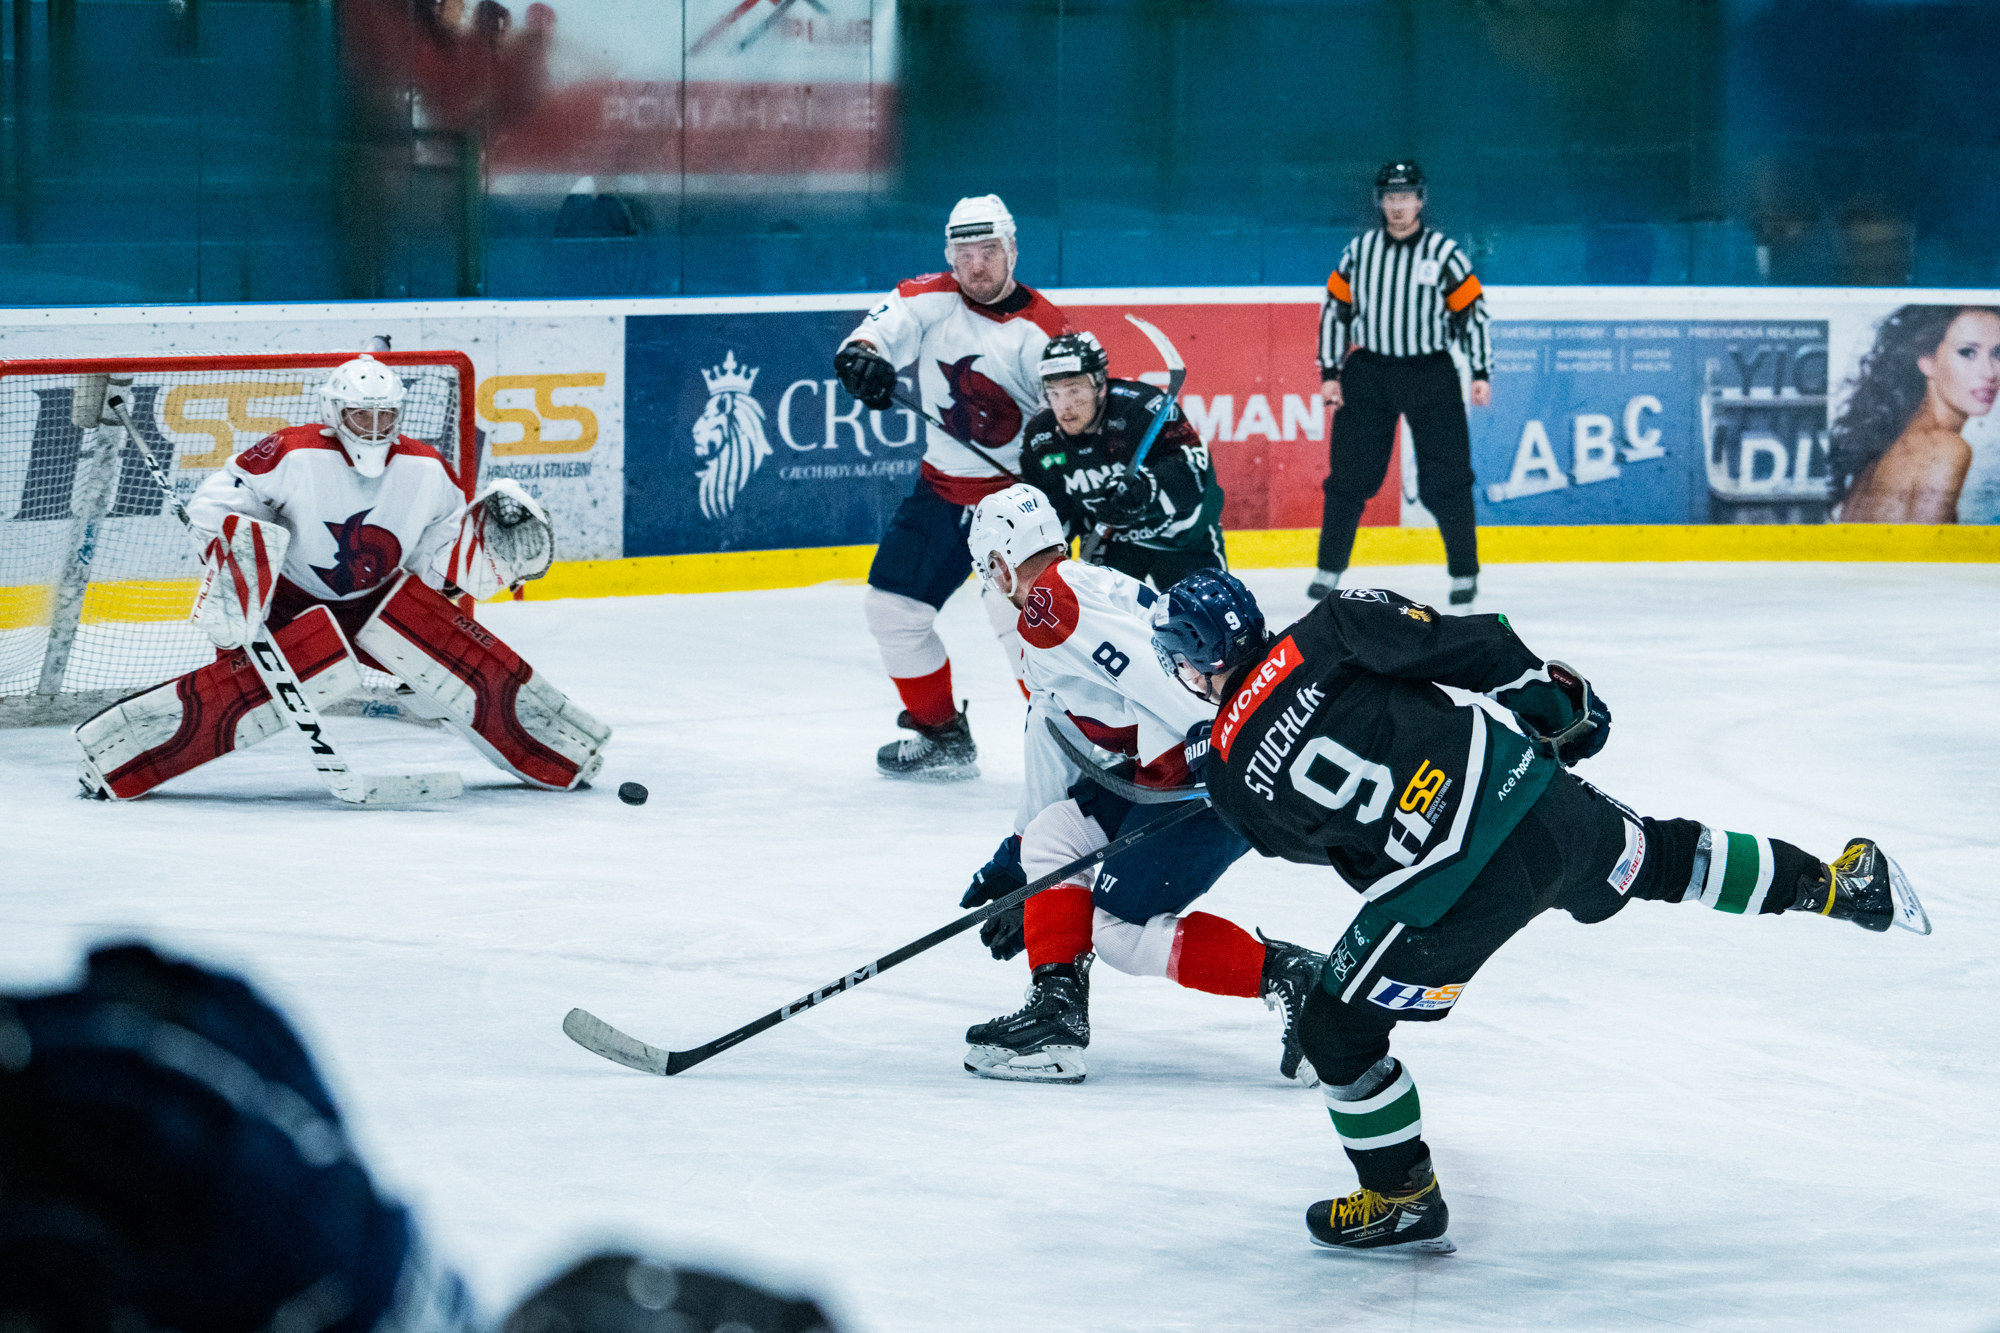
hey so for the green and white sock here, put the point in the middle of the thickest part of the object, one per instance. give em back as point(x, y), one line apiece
point(1380, 1119)
point(1732, 872)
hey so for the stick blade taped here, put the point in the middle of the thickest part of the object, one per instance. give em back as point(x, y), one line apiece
point(398, 789)
point(600, 1038)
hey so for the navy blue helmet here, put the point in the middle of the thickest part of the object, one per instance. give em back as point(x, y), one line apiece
point(1207, 621)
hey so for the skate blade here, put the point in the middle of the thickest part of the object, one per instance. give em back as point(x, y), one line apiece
point(1910, 914)
point(942, 773)
point(1051, 1064)
point(1435, 1245)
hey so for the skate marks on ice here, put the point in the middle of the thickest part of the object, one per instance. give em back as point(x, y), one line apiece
point(1671, 1119)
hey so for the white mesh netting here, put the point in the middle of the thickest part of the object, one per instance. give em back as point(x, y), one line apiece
point(131, 629)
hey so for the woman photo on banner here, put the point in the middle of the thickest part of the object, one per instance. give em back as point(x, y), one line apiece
point(1899, 452)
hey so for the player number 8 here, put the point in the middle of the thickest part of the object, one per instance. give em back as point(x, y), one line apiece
point(1113, 661)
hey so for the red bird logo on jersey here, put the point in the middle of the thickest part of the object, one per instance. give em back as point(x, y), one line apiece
point(980, 411)
point(364, 555)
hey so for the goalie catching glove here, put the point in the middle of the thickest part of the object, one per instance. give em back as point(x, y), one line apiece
point(239, 577)
point(504, 540)
point(1560, 714)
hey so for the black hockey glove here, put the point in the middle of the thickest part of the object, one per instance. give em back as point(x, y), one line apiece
point(1128, 498)
point(866, 374)
point(1005, 934)
point(1195, 751)
point(1562, 717)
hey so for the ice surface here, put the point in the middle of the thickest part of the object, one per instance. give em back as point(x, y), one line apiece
point(1673, 1119)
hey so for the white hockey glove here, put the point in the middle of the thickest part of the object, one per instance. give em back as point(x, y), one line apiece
point(239, 577)
point(503, 540)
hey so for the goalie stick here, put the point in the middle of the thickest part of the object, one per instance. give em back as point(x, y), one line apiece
point(272, 668)
point(1116, 785)
point(1176, 376)
point(600, 1038)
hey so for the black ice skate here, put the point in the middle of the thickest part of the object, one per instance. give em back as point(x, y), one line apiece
point(1866, 887)
point(944, 753)
point(1414, 1219)
point(1290, 973)
point(1043, 1041)
point(1463, 590)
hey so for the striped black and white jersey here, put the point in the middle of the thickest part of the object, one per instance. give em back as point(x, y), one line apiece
point(1410, 297)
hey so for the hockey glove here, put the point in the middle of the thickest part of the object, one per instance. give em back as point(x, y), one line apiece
point(1196, 752)
point(866, 374)
point(1131, 494)
point(1005, 934)
point(1562, 717)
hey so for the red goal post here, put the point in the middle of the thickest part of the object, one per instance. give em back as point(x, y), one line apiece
point(96, 573)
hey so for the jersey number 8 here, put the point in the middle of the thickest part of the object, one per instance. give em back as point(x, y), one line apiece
point(1113, 661)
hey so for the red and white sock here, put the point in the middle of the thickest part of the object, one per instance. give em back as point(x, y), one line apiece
point(1217, 956)
point(1057, 924)
point(928, 697)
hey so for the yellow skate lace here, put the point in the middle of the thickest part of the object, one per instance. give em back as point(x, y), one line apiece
point(1364, 1206)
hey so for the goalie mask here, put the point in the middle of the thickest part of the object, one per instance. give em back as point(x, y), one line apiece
point(364, 405)
point(1012, 525)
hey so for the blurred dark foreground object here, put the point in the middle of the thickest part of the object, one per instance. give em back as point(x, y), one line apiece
point(170, 1159)
point(622, 1293)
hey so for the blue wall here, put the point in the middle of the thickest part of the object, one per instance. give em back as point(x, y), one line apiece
point(215, 151)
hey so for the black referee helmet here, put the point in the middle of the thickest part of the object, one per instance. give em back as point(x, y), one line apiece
point(1401, 175)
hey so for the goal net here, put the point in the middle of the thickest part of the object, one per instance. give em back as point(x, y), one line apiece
point(96, 573)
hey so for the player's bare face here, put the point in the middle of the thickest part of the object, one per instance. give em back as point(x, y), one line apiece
point(1076, 400)
point(1000, 577)
point(1400, 209)
point(984, 269)
point(1199, 684)
point(1964, 372)
point(370, 423)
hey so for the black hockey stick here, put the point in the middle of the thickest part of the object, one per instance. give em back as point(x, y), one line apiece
point(1116, 785)
point(600, 1038)
point(911, 404)
point(1176, 376)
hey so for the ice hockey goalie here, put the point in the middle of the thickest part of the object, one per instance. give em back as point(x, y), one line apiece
point(350, 541)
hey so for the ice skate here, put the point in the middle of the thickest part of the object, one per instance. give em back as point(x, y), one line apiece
point(1463, 590)
point(944, 753)
point(1323, 584)
point(1290, 973)
point(1412, 1220)
point(1865, 886)
point(1043, 1041)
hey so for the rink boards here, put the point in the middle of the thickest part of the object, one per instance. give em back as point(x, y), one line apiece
point(703, 443)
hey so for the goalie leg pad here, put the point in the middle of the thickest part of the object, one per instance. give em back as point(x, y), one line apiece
point(139, 742)
point(483, 689)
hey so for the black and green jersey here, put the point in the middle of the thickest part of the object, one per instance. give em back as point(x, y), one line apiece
point(1338, 748)
point(1076, 472)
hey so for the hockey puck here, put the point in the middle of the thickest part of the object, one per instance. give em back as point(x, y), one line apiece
point(631, 793)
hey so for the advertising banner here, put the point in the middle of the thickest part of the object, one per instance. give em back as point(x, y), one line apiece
point(743, 440)
point(549, 403)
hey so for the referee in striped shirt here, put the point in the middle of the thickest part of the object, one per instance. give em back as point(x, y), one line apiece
point(1401, 296)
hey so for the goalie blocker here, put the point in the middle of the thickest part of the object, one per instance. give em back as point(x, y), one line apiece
point(480, 686)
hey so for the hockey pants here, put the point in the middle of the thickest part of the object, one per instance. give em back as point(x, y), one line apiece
point(1574, 850)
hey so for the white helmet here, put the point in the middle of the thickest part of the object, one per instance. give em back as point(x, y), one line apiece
point(978, 218)
point(1015, 523)
point(364, 401)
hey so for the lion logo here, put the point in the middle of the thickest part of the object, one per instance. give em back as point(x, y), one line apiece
point(730, 435)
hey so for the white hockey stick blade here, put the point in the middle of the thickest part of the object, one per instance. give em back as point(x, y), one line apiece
point(1910, 913)
point(600, 1038)
point(396, 789)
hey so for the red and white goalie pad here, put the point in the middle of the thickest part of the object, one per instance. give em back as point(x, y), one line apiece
point(138, 743)
point(504, 539)
point(483, 689)
point(239, 578)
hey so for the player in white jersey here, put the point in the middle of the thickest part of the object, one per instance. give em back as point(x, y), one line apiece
point(1086, 636)
point(976, 338)
point(348, 536)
